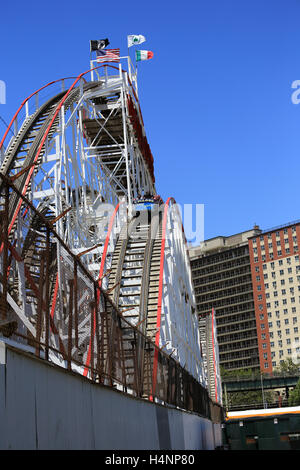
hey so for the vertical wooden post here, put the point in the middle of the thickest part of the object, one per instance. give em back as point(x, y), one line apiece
point(92, 338)
point(47, 294)
point(39, 321)
point(70, 326)
point(3, 303)
point(76, 302)
point(96, 292)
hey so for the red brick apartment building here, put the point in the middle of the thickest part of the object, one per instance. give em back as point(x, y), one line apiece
point(252, 280)
point(275, 270)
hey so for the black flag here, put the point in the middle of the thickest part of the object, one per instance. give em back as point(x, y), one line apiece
point(98, 44)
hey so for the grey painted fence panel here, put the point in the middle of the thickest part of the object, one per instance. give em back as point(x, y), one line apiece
point(45, 407)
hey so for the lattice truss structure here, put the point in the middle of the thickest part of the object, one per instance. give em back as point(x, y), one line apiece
point(208, 334)
point(78, 158)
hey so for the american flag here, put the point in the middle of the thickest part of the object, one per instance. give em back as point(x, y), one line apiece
point(111, 55)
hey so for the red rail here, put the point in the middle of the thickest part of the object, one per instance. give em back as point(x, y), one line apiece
point(25, 101)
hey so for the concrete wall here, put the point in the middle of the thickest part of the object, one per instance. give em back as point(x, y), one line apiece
point(45, 407)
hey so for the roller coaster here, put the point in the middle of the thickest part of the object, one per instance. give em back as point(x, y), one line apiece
point(89, 252)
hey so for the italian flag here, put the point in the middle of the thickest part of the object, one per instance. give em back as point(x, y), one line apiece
point(143, 55)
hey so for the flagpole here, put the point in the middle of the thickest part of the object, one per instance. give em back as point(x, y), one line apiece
point(136, 72)
point(129, 68)
point(91, 66)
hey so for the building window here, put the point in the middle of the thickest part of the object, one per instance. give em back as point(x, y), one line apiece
point(286, 321)
point(280, 262)
point(283, 291)
point(266, 365)
point(287, 331)
point(279, 252)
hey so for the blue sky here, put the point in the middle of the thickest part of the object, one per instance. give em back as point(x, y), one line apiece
point(216, 97)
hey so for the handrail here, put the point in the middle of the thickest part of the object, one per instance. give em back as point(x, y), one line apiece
point(24, 102)
point(103, 259)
